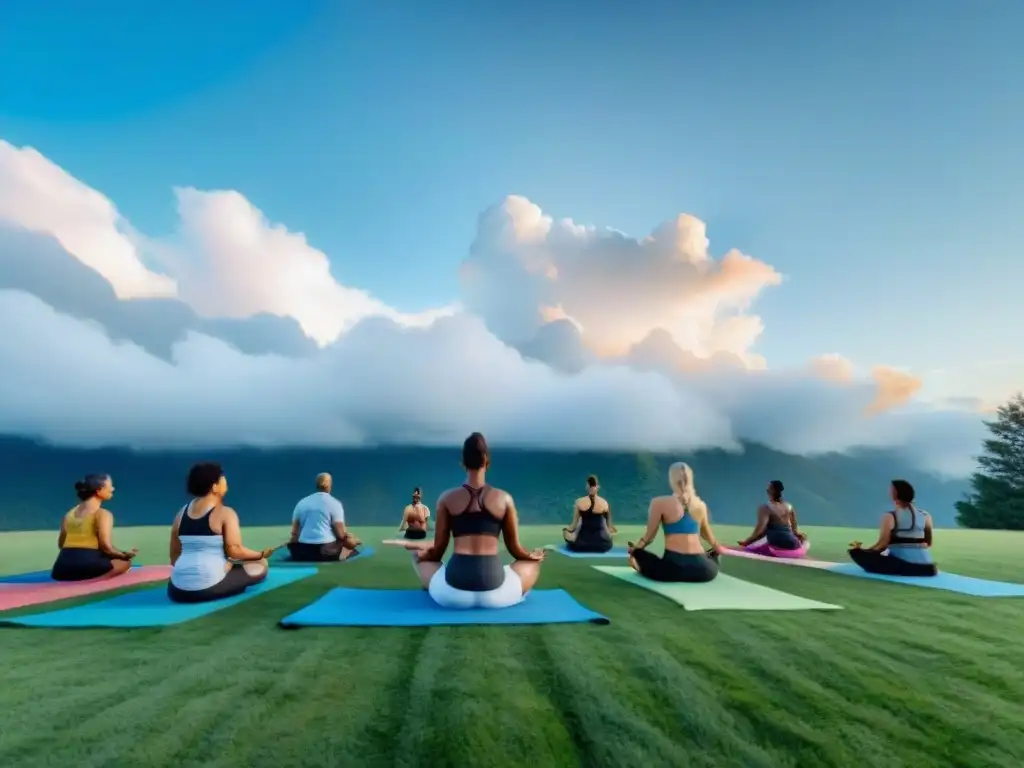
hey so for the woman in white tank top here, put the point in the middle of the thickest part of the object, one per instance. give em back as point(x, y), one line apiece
point(205, 538)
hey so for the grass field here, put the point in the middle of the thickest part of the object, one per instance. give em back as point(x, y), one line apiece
point(902, 677)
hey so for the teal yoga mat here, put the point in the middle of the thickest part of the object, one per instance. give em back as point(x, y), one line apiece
point(725, 593)
point(343, 607)
point(150, 607)
point(950, 582)
point(618, 553)
point(283, 557)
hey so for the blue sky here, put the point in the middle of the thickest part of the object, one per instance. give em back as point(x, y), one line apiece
point(870, 151)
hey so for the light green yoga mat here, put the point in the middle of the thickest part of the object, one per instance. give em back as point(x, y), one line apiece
point(725, 593)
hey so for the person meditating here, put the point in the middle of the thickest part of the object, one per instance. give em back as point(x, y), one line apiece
point(318, 527)
point(415, 517)
point(776, 533)
point(475, 515)
point(205, 538)
point(591, 528)
point(86, 550)
point(906, 532)
point(683, 517)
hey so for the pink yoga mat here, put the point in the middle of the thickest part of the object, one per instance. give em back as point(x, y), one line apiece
point(806, 562)
point(21, 595)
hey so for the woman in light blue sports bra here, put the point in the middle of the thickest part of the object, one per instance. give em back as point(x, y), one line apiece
point(904, 539)
point(683, 517)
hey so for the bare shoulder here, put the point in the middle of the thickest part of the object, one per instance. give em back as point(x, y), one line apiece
point(227, 513)
point(582, 501)
point(498, 498)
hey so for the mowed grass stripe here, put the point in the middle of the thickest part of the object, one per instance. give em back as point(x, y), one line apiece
point(901, 677)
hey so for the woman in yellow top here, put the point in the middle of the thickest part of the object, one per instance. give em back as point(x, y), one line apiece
point(86, 551)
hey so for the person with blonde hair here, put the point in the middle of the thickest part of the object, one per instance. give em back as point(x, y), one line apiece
point(683, 517)
point(318, 527)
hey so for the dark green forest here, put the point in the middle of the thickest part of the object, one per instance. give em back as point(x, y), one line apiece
point(374, 484)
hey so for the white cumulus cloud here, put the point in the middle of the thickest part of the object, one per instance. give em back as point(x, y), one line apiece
point(564, 336)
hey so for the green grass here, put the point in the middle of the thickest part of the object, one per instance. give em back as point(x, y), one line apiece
point(902, 677)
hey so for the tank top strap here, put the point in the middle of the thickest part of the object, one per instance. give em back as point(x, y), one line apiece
point(593, 501)
point(477, 495)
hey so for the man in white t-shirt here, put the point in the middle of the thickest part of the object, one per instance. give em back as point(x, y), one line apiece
point(318, 527)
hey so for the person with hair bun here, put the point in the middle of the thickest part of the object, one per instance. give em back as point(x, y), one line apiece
point(415, 517)
point(904, 539)
point(209, 561)
point(86, 549)
point(776, 532)
point(683, 517)
point(591, 528)
point(475, 515)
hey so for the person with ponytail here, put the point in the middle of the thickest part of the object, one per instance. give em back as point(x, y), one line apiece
point(591, 528)
point(683, 517)
point(904, 539)
point(86, 549)
point(775, 532)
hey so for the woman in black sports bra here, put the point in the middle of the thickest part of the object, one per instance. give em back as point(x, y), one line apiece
point(591, 528)
point(475, 515)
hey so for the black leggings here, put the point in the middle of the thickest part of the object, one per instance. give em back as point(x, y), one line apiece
point(583, 543)
point(674, 566)
point(77, 564)
point(888, 565)
point(415, 533)
point(235, 582)
point(315, 553)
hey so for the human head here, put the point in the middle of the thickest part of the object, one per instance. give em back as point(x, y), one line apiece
point(592, 485)
point(475, 454)
point(775, 489)
point(207, 478)
point(100, 486)
point(417, 494)
point(324, 482)
point(680, 480)
point(902, 492)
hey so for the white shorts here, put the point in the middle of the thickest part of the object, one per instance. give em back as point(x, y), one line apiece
point(508, 594)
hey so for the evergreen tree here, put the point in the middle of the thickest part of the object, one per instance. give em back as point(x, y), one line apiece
point(997, 501)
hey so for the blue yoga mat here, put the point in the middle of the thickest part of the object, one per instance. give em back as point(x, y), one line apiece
point(343, 607)
point(150, 607)
point(283, 557)
point(34, 577)
point(620, 553)
point(951, 582)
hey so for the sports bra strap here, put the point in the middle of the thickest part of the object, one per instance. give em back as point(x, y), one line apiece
point(475, 494)
point(593, 501)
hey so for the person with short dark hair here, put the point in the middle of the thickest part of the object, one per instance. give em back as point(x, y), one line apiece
point(208, 559)
point(415, 517)
point(904, 539)
point(475, 515)
point(776, 523)
point(591, 528)
point(318, 527)
point(86, 549)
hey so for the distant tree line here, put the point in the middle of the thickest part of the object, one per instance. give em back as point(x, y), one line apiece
point(997, 498)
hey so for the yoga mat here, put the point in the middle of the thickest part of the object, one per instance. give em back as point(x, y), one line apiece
point(25, 593)
point(33, 577)
point(284, 557)
point(149, 607)
point(413, 608)
point(950, 582)
point(725, 593)
point(804, 562)
point(620, 553)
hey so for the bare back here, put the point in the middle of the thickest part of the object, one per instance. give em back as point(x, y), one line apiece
point(456, 501)
point(668, 512)
point(600, 505)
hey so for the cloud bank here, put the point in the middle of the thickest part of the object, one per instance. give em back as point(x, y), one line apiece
point(235, 331)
